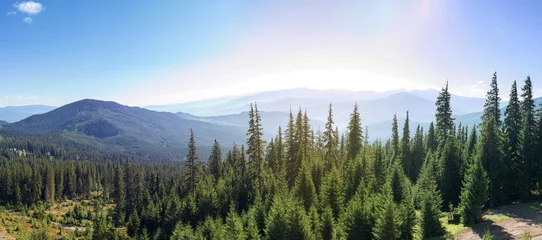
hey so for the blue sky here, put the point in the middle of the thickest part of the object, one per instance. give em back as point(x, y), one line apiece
point(159, 52)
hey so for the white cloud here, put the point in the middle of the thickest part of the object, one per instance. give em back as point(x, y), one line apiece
point(12, 13)
point(29, 7)
point(27, 20)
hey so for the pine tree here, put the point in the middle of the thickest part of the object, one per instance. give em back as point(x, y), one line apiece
point(279, 153)
point(50, 185)
point(358, 217)
point(255, 145)
point(332, 192)
point(215, 161)
point(193, 161)
point(395, 136)
point(431, 139)
point(119, 194)
point(474, 194)
point(451, 172)
point(445, 122)
point(430, 211)
point(304, 187)
point(234, 226)
point(417, 154)
point(470, 150)
point(355, 135)
point(308, 137)
point(405, 150)
point(528, 151)
point(491, 107)
point(292, 144)
point(379, 166)
point(490, 150)
point(388, 219)
point(331, 142)
point(512, 132)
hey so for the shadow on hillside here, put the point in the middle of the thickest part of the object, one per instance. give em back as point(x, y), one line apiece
point(529, 213)
point(496, 231)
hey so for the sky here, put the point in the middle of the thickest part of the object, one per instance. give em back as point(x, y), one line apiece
point(142, 53)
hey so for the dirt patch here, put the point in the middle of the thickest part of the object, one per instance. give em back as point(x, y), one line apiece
point(520, 219)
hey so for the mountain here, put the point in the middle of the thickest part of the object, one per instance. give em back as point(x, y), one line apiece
point(460, 104)
point(294, 97)
point(17, 113)
point(3, 122)
point(375, 107)
point(270, 121)
point(476, 117)
point(114, 127)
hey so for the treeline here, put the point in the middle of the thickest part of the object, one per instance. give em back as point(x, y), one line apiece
point(306, 184)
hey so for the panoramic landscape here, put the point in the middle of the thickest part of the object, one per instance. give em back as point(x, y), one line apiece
point(271, 120)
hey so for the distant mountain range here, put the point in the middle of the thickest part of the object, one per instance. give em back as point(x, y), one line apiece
point(114, 127)
point(109, 126)
point(17, 113)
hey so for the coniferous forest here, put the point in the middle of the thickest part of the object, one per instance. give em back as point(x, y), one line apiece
point(301, 184)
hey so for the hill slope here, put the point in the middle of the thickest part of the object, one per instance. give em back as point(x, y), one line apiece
point(115, 127)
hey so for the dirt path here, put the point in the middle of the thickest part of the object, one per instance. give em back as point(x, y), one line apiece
point(509, 222)
point(5, 236)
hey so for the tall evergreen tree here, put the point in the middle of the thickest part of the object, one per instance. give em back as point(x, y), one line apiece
point(491, 107)
point(355, 135)
point(193, 161)
point(528, 151)
point(512, 131)
point(445, 121)
point(395, 136)
point(417, 154)
point(474, 194)
point(330, 142)
point(431, 139)
point(405, 150)
point(215, 161)
point(490, 150)
point(292, 143)
point(255, 145)
point(279, 153)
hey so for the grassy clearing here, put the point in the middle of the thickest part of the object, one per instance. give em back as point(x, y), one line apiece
point(19, 225)
point(496, 218)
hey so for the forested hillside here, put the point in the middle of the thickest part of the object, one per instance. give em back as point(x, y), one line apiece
point(303, 183)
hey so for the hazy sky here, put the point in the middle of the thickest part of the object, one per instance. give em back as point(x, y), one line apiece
point(157, 52)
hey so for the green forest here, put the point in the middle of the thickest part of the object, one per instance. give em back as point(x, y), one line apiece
point(302, 184)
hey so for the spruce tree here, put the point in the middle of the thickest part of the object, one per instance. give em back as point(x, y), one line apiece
point(215, 161)
point(292, 144)
point(490, 150)
point(358, 217)
point(387, 217)
point(431, 140)
point(528, 151)
point(451, 171)
point(491, 107)
point(279, 153)
point(430, 211)
point(304, 187)
point(417, 154)
point(332, 192)
point(255, 145)
point(355, 135)
point(445, 121)
point(474, 194)
point(395, 136)
point(405, 150)
point(330, 142)
point(512, 131)
point(193, 161)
